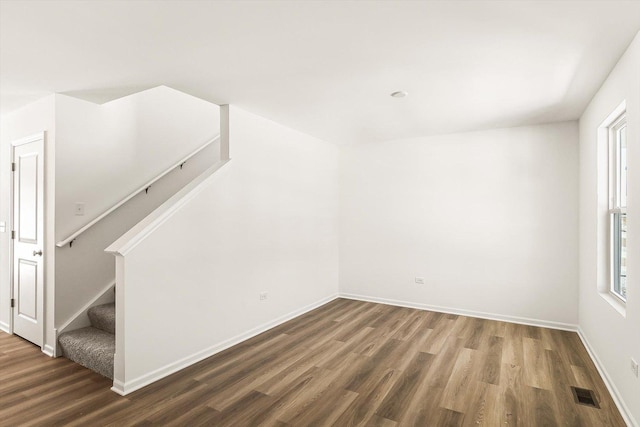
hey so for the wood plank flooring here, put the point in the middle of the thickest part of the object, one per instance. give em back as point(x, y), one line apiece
point(346, 363)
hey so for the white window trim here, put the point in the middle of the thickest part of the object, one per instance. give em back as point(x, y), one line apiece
point(606, 130)
point(615, 197)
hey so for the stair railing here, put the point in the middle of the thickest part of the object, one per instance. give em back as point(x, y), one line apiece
point(69, 240)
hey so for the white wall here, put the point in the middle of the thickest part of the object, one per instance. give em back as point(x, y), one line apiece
point(488, 218)
point(612, 337)
point(118, 146)
point(103, 153)
point(84, 268)
point(265, 222)
point(29, 120)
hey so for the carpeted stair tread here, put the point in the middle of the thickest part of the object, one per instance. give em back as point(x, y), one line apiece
point(103, 317)
point(90, 347)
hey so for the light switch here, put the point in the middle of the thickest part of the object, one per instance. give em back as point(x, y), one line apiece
point(79, 208)
point(3, 226)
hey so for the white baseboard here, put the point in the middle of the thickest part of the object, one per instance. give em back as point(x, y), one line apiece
point(49, 351)
point(125, 387)
point(4, 327)
point(470, 313)
point(118, 387)
point(613, 391)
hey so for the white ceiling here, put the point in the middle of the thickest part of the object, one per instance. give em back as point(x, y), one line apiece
point(326, 67)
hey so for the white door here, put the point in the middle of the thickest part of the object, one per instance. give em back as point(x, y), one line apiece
point(28, 239)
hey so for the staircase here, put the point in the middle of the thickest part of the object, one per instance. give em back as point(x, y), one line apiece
point(93, 347)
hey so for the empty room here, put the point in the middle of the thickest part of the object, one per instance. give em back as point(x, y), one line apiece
point(320, 213)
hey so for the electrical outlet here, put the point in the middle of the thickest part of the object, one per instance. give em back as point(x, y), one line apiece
point(79, 209)
point(419, 280)
point(634, 367)
point(263, 296)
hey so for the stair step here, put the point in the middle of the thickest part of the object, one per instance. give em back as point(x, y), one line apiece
point(90, 347)
point(103, 317)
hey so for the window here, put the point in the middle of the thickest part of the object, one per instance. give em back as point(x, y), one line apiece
point(617, 135)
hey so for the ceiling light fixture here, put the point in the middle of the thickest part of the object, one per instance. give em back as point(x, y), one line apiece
point(399, 94)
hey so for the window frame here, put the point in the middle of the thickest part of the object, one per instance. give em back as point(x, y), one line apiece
point(616, 208)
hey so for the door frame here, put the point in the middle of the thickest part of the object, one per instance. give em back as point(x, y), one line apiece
point(43, 296)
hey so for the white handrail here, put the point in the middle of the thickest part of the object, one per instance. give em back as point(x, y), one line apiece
point(73, 236)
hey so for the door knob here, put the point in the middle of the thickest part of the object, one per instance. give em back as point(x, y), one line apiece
point(39, 253)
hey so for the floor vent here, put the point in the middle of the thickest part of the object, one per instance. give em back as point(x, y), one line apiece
point(585, 397)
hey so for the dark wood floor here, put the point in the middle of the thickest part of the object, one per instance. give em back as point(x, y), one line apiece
point(345, 363)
